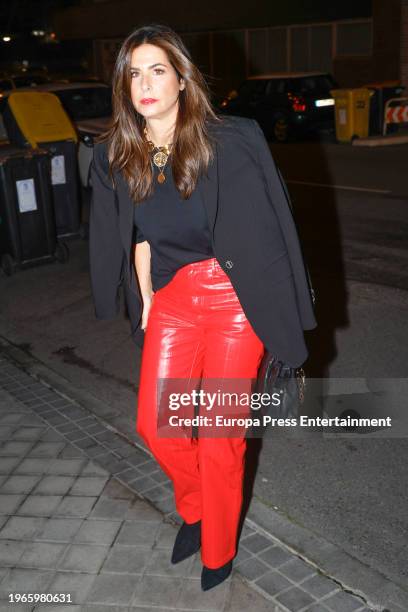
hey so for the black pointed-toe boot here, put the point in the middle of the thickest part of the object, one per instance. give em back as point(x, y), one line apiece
point(210, 578)
point(188, 541)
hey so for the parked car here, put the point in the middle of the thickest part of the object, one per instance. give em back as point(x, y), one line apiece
point(89, 105)
point(285, 105)
point(19, 81)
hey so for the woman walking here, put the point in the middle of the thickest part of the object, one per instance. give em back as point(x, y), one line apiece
point(189, 212)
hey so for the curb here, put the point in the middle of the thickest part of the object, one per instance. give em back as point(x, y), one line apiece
point(349, 573)
point(380, 141)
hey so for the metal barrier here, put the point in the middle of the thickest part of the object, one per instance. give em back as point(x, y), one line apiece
point(395, 111)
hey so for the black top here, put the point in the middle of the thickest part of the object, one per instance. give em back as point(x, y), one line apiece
point(176, 229)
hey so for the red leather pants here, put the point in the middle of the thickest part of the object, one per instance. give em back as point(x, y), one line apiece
point(197, 329)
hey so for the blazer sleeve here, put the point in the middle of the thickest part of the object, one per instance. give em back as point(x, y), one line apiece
point(281, 202)
point(106, 253)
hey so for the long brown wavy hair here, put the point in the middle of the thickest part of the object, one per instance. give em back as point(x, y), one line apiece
point(193, 146)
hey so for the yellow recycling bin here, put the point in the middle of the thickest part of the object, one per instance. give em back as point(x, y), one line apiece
point(41, 117)
point(352, 108)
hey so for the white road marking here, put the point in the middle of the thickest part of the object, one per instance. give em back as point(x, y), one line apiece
point(349, 187)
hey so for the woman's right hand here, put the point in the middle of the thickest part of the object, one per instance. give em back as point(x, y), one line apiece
point(147, 304)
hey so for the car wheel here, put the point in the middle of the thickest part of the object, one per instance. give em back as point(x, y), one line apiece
point(280, 129)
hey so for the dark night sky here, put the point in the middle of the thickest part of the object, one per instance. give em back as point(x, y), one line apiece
point(17, 15)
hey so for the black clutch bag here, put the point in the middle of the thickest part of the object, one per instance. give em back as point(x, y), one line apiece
point(284, 385)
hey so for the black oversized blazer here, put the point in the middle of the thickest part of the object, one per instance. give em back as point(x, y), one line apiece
point(254, 239)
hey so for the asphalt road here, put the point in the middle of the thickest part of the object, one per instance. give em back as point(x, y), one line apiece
point(351, 211)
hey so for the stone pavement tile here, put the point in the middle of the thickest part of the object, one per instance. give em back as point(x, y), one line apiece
point(19, 484)
point(317, 607)
point(194, 598)
point(166, 535)
point(114, 509)
point(52, 436)
point(66, 467)
point(6, 432)
point(25, 581)
point(148, 467)
point(256, 543)
point(88, 485)
point(319, 585)
point(91, 469)
point(73, 583)
point(93, 531)
point(9, 503)
point(6, 607)
point(159, 564)
point(159, 476)
point(46, 449)
point(155, 590)
point(71, 452)
point(28, 433)
point(137, 533)
point(8, 464)
point(16, 449)
point(273, 583)
point(32, 420)
point(11, 418)
point(33, 466)
point(116, 490)
point(39, 505)
point(253, 568)
point(196, 566)
point(241, 597)
point(166, 506)
point(297, 570)
point(343, 602)
point(275, 556)
point(242, 555)
point(58, 608)
point(10, 552)
point(295, 599)
point(143, 483)
point(22, 528)
point(113, 608)
point(138, 457)
point(84, 558)
point(59, 529)
point(42, 555)
point(73, 506)
point(157, 494)
point(115, 589)
point(54, 485)
point(127, 559)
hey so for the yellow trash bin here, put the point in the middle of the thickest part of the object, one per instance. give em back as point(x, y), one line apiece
point(41, 117)
point(352, 109)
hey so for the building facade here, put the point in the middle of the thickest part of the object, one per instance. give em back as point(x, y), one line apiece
point(368, 48)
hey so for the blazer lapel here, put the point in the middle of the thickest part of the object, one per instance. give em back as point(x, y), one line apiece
point(209, 188)
point(125, 211)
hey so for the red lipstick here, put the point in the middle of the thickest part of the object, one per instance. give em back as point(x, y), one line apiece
point(148, 100)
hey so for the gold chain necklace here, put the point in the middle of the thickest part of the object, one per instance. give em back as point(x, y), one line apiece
point(160, 157)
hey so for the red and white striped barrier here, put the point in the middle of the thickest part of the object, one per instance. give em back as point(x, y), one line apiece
point(395, 111)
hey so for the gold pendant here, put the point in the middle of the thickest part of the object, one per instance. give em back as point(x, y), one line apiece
point(160, 159)
point(161, 178)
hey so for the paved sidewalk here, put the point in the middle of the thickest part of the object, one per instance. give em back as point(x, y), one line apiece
point(84, 512)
